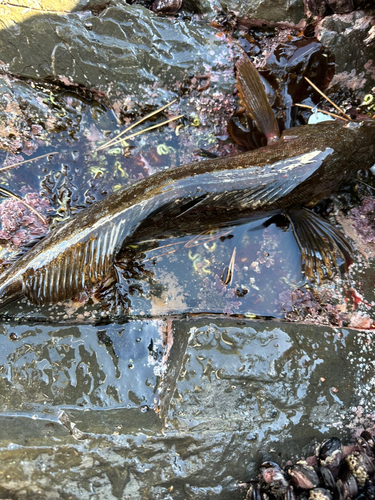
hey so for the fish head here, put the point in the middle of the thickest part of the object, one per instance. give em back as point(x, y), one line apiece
point(359, 137)
point(351, 146)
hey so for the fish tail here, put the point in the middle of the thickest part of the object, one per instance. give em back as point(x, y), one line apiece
point(324, 250)
point(10, 291)
point(254, 98)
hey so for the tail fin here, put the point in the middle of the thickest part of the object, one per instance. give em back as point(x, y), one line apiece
point(324, 250)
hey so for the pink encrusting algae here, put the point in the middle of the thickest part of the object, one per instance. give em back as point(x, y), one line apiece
point(18, 224)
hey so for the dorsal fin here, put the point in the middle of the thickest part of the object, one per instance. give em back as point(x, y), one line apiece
point(254, 98)
point(250, 191)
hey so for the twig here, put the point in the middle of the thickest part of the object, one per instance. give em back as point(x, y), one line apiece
point(321, 111)
point(116, 139)
point(365, 183)
point(194, 242)
point(228, 272)
point(147, 129)
point(26, 161)
point(18, 198)
point(328, 99)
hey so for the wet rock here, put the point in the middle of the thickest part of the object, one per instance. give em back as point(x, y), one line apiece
point(229, 389)
point(345, 36)
point(24, 116)
point(275, 11)
point(363, 220)
point(272, 11)
point(320, 7)
point(126, 50)
point(326, 7)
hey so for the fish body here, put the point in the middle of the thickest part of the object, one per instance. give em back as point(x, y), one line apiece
point(302, 166)
point(307, 163)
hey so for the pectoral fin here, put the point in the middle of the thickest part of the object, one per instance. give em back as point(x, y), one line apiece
point(254, 98)
point(324, 250)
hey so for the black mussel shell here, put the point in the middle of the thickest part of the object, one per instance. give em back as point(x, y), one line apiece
point(369, 438)
point(271, 466)
point(303, 476)
point(320, 494)
point(346, 488)
point(328, 446)
point(330, 455)
point(335, 477)
point(289, 494)
point(254, 492)
point(367, 443)
point(340, 493)
point(369, 490)
point(273, 479)
point(327, 479)
point(364, 446)
point(350, 484)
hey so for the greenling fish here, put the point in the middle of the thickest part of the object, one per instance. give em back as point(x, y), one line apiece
point(304, 165)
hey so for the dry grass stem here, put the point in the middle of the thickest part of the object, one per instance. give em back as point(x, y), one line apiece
point(327, 98)
point(147, 129)
point(321, 111)
point(26, 161)
point(201, 239)
point(228, 272)
point(116, 139)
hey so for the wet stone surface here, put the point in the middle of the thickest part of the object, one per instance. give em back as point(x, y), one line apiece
point(344, 35)
point(230, 394)
point(276, 11)
point(107, 53)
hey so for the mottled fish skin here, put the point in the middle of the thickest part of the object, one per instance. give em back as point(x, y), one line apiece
point(307, 163)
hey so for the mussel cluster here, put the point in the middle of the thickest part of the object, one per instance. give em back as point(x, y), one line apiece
point(333, 474)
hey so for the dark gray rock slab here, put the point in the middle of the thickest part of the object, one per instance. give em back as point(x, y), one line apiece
point(232, 394)
point(126, 50)
point(272, 11)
